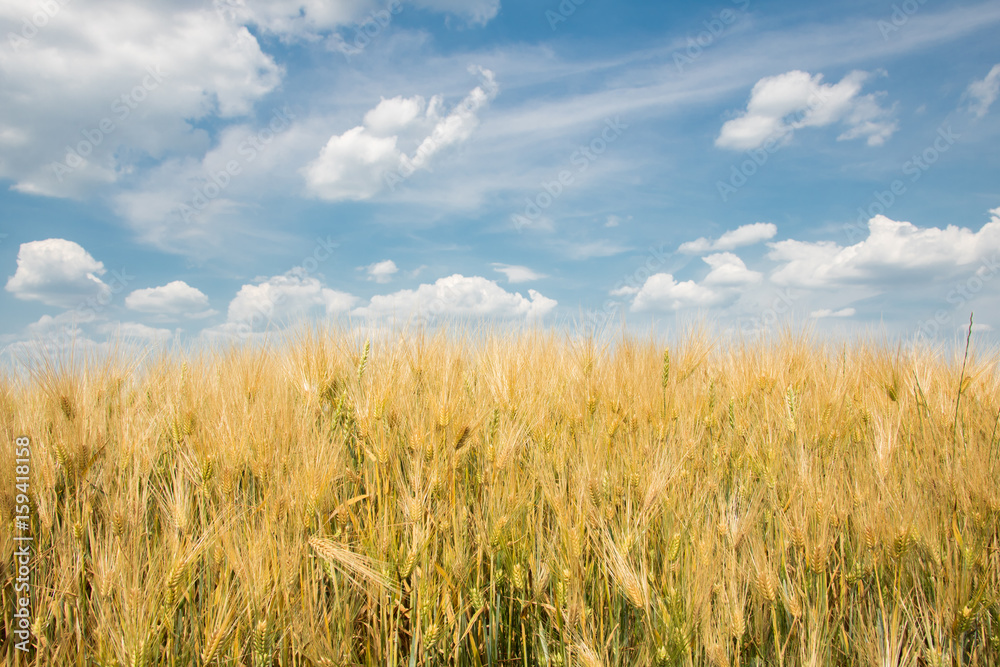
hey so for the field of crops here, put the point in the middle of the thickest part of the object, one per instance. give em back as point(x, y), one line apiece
point(511, 499)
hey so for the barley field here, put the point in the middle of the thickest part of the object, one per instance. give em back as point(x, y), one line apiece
point(526, 498)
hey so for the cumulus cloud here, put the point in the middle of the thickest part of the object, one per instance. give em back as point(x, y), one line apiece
point(458, 295)
point(175, 299)
point(362, 161)
point(392, 116)
point(286, 299)
point(518, 274)
point(735, 238)
point(120, 330)
point(892, 252)
point(662, 292)
point(781, 104)
point(57, 272)
point(382, 272)
point(728, 270)
point(983, 93)
point(728, 277)
point(826, 312)
point(118, 83)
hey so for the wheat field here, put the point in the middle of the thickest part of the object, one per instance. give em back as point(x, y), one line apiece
point(526, 498)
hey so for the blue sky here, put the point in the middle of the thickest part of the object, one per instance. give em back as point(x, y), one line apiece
point(210, 171)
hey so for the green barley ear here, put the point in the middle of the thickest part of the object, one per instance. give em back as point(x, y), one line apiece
point(494, 425)
point(790, 408)
point(666, 368)
point(262, 656)
point(364, 359)
point(431, 636)
point(475, 597)
point(675, 547)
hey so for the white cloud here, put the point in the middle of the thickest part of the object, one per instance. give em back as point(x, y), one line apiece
point(352, 165)
point(475, 11)
point(826, 312)
point(286, 299)
point(359, 163)
point(307, 19)
point(984, 93)
point(57, 272)
point(616, 220)
point(118, 82)
point(458, 295)
point(394, 115)
point(297, 18)
point(781, 104)
point(723, 283)
point(518, 274)
point(625, 290)
point(735, 238)
point(728, 270)
point(175, 299)
point(65, 326)
point(662, 292)
point(893, 251)
point(382, 272)
point(120, 330)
